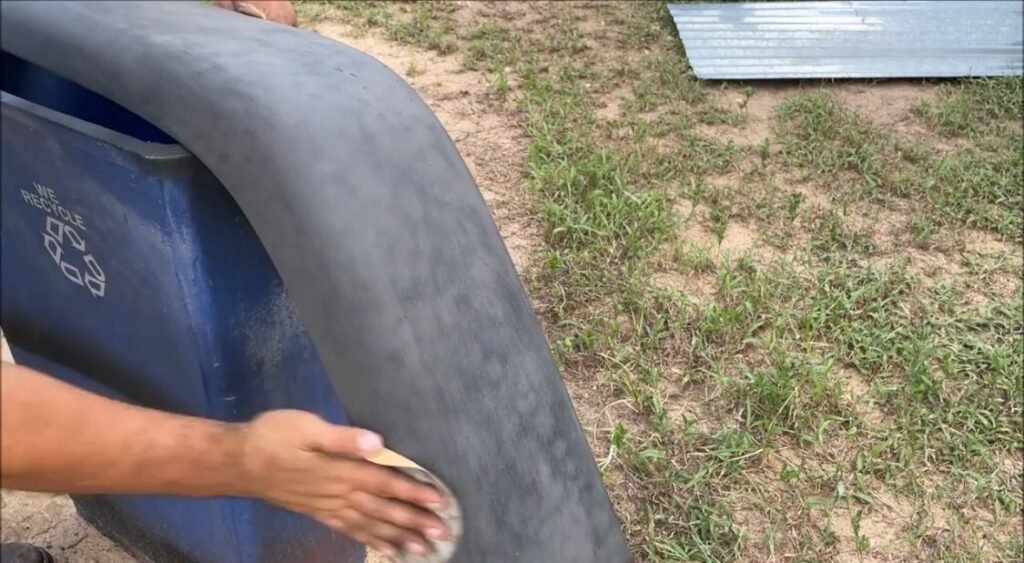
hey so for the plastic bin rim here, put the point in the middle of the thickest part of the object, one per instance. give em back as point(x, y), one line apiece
point(140, 148)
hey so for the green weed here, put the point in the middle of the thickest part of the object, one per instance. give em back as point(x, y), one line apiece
point(975, 107)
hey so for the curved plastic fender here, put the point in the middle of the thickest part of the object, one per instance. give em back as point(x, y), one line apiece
point(384, 244)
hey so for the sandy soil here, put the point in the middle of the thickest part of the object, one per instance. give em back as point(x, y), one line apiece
point(50, 521)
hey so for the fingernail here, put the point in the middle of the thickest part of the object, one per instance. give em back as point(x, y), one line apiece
point(369, 442)
point(436, 505)
point(389, 551)
point(417, 548)
point(437, 533)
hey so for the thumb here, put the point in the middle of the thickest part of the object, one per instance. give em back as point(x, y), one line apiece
point(345, 441)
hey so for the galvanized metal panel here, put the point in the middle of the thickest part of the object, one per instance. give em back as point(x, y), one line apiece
point(853, 39)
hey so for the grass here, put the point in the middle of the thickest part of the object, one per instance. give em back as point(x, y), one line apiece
point(822, 135)
point(823, 397)
point(977, 185)
point(974, 107)
point(426, 24)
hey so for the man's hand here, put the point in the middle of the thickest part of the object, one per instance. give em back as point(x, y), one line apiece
point(293, 459)
point(280, 11)
point(298, 461)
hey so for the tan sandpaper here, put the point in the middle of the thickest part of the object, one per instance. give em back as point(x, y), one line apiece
point(5, 350)
point(451, 514)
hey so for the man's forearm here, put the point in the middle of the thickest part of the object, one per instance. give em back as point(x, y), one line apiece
point(56, 437)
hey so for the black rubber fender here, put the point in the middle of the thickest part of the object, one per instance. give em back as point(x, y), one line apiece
point(383, 241)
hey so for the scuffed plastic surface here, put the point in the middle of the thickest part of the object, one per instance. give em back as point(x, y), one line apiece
point(383, 243)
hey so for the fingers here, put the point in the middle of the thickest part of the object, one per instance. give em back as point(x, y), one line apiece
point(362, 537)
point(400, 514)
point(380, 511)
point(378, 534)
point(388, 483)
point(396, 536)
point(318, 468)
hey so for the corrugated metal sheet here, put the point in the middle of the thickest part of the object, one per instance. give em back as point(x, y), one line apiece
point(852, 39)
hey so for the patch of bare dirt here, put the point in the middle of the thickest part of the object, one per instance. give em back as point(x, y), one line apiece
point(814, 194)
point(699, 288)
point(759, 110)
point(483, 127)
point(697, 235)
point(996, 268)
point(984, 242)
point(697, 405)
point(697, 228)
point(610, 106)
point(934, 266)
point(525, 18)
point(888, 105)
point(858, 393)
point(885, 525)
point(1013, 465)
point(50, 521)
point(886, 227)
point(737, 239)
point(1003, 259)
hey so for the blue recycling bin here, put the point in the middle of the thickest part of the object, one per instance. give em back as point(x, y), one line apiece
point(129, 270)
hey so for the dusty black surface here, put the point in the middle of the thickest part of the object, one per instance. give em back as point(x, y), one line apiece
point(383, 241)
